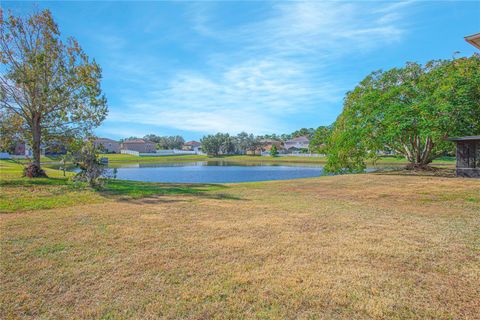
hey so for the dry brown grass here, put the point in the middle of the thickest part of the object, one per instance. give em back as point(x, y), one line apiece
point(345, 247)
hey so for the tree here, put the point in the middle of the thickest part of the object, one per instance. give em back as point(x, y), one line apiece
point(319, 140)
point(218, 143)
point(242, 142)
point(246, 142)
point(211, 144)
point(152, 138)
point(85, 156)
point(303, 132)
point(228, 144)
point(51, 85)
point(166, 142)
point(274, 151)
point(129, 138)
point(410, 110)
point(176, 142)
point(10, 126)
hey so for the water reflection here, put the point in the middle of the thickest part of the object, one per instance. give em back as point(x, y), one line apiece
point(216, 171)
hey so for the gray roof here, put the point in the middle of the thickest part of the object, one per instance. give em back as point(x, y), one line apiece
point(298, 139)
point(467, 138)
point(104, 139)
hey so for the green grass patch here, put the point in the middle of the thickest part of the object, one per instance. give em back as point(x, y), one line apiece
point(49, 249)
point(22, 194)
point(126, 158)
point(138, 189)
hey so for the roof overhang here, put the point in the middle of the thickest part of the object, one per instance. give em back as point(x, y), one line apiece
point(474, 40)
point(468, 138)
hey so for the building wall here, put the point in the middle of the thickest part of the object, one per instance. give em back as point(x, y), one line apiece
point(20, 149)
point(140, 147)
point(109, 146)
point(468, 159)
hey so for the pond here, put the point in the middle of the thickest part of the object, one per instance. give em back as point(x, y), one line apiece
point(215, 172)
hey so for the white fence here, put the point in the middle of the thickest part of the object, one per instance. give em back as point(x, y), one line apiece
point(133, 153)
point(7, 156)
point(4, 155)
point(159, 153)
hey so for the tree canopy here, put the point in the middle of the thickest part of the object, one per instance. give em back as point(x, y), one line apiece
point(219, 143)
point(246, 142)
point(48, 84)
point(410, 110)
point(320, 138)
point(166, 142)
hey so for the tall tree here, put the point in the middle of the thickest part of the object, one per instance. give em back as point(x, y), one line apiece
point(228, 143)
point(212, 144)
point(176, 142)
point(152, 138)
point(410, 110)
point(242, 142)
point(51, 84)
point(246, 142)
point(218, 143)
point(307, 132)
point(319, 140)
point(166, 142)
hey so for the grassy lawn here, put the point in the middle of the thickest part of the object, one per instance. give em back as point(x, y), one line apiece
point(125, 158)
point(19, 194)
point(370, 246)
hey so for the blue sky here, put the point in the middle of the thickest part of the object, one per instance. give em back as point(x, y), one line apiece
point(193, 68)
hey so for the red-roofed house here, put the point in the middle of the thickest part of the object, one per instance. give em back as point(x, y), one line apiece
point(192, 146)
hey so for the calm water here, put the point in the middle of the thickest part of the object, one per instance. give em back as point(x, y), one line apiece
point(215, 172)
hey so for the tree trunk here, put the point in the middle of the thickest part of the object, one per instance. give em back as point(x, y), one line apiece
point(34, 170)
point(36, 144)
point(422, 157)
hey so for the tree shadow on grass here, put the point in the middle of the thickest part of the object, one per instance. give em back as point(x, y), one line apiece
point(149, 192)
point(436, 172)
point(125, 190)
point(27, 182)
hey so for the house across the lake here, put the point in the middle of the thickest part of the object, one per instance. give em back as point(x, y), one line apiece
point(297, 144)
point(139, 145)
point(192, 146)
point(267, 144)
point(468, 156)
point(107, 145)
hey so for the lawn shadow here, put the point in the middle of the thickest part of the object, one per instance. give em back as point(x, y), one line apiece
point(28, 182)
point(151, 192)
point(436, 172)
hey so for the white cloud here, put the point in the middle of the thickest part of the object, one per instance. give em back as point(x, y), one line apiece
point(277, 68)
point(251, 96)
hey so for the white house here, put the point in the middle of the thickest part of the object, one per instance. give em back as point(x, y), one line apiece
point(192, 146)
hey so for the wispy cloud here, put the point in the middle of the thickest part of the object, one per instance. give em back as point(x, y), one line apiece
point(265, 70)
point(251, 96)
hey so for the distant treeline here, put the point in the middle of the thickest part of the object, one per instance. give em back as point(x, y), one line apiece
point(241, 143)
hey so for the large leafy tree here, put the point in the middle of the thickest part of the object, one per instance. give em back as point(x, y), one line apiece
point(153, 138)
point(50, 84)
point(307, 132)
point(212, 144)
point(409, 110)
point(166, 142)
point(218, 143)
point(246, 142)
